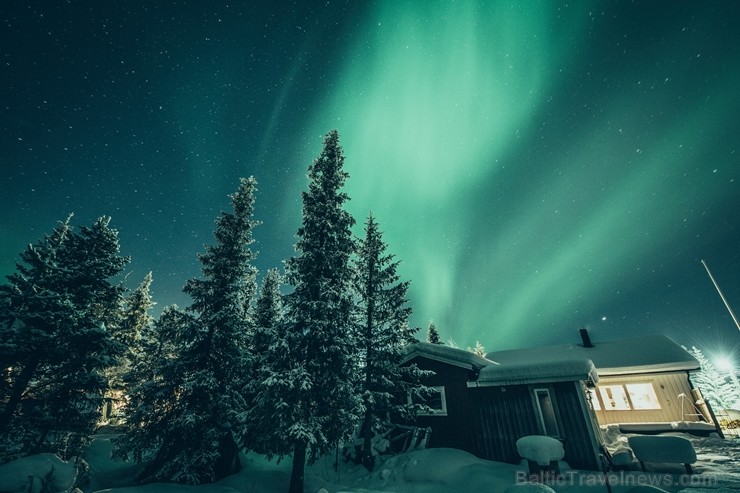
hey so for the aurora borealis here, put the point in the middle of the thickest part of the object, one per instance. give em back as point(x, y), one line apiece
point(536, 166)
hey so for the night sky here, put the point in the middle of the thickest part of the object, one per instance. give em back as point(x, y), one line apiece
point(537, 167)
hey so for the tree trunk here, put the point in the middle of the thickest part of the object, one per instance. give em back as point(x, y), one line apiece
point(19, 387)
point(366, 455)
point(299, 467)
point(228, 462)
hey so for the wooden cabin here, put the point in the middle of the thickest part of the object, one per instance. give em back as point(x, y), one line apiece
point(483, 407)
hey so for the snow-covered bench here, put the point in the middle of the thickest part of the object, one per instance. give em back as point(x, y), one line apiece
point(664, 449)
point(541, 452)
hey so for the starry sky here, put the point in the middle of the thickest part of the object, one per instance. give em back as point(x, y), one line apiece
point(536, 166)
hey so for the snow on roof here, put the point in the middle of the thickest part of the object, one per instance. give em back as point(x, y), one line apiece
point(530, 371)
point(446, 354)
point(644, 354)
point(518, 372)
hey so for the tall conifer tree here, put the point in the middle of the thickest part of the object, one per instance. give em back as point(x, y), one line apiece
point(53, 317)
point(210, 365)
point(134, 321)
point(308, 395)
point(384, 333)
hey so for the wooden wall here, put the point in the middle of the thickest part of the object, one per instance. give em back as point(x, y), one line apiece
point(505, 414)
point(457, 429)
point(667, 388)
point(576, 426)
point(487, 421)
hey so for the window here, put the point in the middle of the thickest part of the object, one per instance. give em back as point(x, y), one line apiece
point(594, 400)
point(546, 412)
point(437, 402)
point(614, 398)
point(642, 396)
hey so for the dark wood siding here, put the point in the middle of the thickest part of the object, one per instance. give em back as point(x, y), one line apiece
point(456, 430)
point(504, 415)
point(576, 427)
point(487, 421)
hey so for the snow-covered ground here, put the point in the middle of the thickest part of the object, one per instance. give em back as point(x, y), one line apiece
point(717, 470)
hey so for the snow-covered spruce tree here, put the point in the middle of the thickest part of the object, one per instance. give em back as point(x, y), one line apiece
point(154, 380)
point(54, 313)
point(433, 335)
point(308, 402)
point(267, 320)
point(384, 333)
point(479, 349)
point(268, 312)
point(135, 320)
point(714, 387)
point(196, 442)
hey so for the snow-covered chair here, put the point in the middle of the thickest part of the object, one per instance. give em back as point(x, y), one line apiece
point(541, 452)
point(663, 449)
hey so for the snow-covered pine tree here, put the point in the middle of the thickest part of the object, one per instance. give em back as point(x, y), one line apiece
point(267, 321)
point(479, 349)
point(308, 403)
point(153, 380)
point(714, 387)
point(383, 334)
point(54, 314)
point(433, 335)
point(210, 368)
point(268, 312)
point(135, 319)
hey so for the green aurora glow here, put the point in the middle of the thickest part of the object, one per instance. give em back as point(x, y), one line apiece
point(438, 107)
point(537, 166)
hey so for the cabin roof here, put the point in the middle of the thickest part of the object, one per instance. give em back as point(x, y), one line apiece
point(644, 354)
point(527, 371)
point(446, 354)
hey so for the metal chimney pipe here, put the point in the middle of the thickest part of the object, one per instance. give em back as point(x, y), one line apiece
point(585, 338)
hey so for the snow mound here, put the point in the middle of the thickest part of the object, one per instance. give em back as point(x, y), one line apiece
point(29, 474)
point(662, 448)
point(645, 488)
point(540, 449)
point(438, 470)
point(529, 488)
point(174, 488)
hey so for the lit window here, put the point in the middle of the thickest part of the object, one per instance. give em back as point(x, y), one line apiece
point(436, 402)
point(594, 400)
point(614, 398)
point(643, 396)
point(546, 412)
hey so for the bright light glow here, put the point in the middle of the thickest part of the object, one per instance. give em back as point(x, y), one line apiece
point(643, 396)
point(614, 397)
point(724, 363)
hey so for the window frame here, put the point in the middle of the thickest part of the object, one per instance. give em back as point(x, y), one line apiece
point(652, 396)
point(602, 392)
point(541, 415)
point(440, 389)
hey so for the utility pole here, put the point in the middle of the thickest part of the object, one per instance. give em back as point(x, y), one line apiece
point(721, 295)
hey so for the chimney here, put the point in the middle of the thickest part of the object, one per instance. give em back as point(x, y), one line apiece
point(585, 338)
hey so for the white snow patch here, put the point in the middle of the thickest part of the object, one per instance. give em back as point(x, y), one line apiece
point(28, 474)
point(540, 449)
point(524, 371)
point(717, 470)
